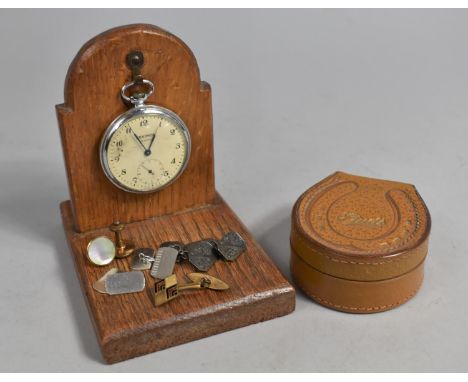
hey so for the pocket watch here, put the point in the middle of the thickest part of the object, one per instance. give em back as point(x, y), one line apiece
point(146, 148)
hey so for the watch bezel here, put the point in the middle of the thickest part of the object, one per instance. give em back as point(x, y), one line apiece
point(124, 118)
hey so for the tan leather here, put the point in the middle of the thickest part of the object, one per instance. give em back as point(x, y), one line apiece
point(359, 244)
point(364, 269)
point(356, 296)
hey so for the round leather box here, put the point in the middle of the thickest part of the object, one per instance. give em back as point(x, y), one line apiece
point(358, 244)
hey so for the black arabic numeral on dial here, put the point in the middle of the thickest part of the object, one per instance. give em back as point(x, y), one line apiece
point(177, 146)
point(173, 161)
point(129, 130)
point(124, 171)
point(172, 131)
point(144, 123)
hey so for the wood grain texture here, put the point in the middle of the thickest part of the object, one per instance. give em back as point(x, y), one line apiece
point(129, 325)
point(188, 210)
point(92, 101)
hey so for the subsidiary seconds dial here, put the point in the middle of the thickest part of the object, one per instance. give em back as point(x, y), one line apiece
point(145, 149)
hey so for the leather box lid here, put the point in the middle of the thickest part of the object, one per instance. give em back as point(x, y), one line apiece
point(360, 228)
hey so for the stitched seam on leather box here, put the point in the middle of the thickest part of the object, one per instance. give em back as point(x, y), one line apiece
point(368, 309)
point(294, 253)
point(298, 237)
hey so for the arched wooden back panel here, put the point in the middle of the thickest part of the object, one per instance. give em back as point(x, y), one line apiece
point(189, 210)
point(92, 101)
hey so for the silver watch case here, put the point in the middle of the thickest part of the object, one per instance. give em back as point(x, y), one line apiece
point(140, 110)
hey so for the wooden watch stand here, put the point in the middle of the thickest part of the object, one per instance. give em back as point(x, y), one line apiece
point(188, 210)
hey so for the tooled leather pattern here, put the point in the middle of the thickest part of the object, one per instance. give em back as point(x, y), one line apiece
point(362, 216)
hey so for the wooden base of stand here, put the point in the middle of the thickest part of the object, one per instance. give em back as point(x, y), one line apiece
point(129, 325)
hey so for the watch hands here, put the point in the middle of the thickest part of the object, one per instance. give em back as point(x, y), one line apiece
point(151, 143)
point(140, 142)
point(154, 136)
point(147, 169)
